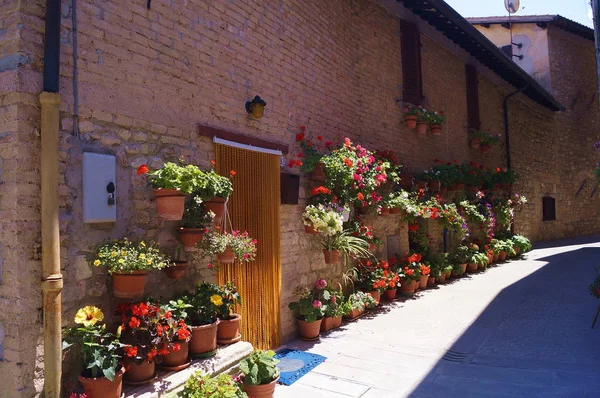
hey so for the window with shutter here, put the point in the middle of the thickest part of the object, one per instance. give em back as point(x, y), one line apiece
point(473, 119)
point(548, 208)
point(412, 78)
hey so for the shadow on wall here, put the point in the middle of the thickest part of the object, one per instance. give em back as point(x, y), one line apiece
point(533, 340)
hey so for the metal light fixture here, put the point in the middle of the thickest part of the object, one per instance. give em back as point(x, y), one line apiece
point(256, 107)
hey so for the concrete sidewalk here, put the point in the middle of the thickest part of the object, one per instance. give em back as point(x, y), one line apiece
point(521, 329)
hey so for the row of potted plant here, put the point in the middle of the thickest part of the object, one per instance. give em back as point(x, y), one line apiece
point(152, 333)
point(483, 140)
point(419, 118)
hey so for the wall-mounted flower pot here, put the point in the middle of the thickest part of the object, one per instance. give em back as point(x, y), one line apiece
point(262, 390)
point(130, 285)
point(139, 372)
point(410, 121)
point(319, 174)
point(101, 387)
point(177, 359)
point(309, 330)
point(475, 143)
point(309, 229)
point(385, 210)
point(169, 204)
point(331, 256)
point(422, 128)
point(217, 206)
point(485, 148)
point(189, 237)
point(436, 129)
point(228, 331)
point(227, 257)
point(389, 294)
point(178, 270)
point(204, 338)
point(330, 323)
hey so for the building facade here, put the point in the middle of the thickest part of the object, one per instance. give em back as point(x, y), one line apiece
point(140, 80)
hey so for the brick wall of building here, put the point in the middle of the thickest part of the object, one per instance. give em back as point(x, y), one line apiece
point(147, 78)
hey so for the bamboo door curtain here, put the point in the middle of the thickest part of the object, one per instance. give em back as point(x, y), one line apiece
point(254, 207)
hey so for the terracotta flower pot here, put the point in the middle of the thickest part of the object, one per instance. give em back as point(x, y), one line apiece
point(389, 294)
point(422, 184)
point(101, 387)
point(435, 186)
point(441, 278)
point(139, 372)
point(436, 129)
point(385, 210)
point(261, 391)
point(423, 281)
point(178, 270)
point(189, 237)
point(179, 358)
point(448, 273)
point(330, 323)
point(410, 121)
point(496, 257)
point(406, 180)
point(169, 204)
point(319, 174)
point(355, 313)
point(228, 329)
point(217, 206)
point(431, 281)
point(309, 330)
point(475, 143)
point(481, 266)
point(204, 338)
point(407, 287)
point(331, 256)
point(129, 285)
point(463, 267)
point(459, 186)
point(502, 256)
point(372, 247)
point(517, 251)
point(309, 229)
point(376, 294)
point(395, 210)
point(422, 128)
point(227, 257)
point(473, 189)
point(472, 267)
point(485, 148)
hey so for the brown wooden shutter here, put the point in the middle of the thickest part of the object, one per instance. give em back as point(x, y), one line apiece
point(412, 77)
point(472, 97)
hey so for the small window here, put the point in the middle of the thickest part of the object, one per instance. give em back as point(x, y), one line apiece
point(473, 119)
point(412, 76)
point(548, 208)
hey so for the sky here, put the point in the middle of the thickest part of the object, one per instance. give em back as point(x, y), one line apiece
point(577, 10)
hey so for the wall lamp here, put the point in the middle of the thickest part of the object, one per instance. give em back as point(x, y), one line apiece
point(256, 107)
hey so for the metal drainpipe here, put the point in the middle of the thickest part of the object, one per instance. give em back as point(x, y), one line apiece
point(507, 132)
point(52, 280)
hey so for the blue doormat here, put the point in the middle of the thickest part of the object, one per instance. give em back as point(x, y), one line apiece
point(294, 364)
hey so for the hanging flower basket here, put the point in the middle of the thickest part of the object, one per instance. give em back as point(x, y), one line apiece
point(227, 257)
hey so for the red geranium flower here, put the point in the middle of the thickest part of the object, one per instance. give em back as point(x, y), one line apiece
point(348, 162)
point(143, 169)
point(299, 136)
point(360, 196)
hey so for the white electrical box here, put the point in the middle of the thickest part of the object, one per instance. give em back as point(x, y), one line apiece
point(99, 188)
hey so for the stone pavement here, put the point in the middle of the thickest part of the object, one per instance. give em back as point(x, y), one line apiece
point(521, 329)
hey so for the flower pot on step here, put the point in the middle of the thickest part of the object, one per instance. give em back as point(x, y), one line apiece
point(169, 204)
point(436, 129)
point(178, 270)
point(189, 237)
point(139, 372)
point(204, 338)
point(227, 257)
point(423, 281)
point(422, 128)
point(331, 256)
point(330, 323)
point(309, 330)
point(228, 330)
point(410, 121)
point(217, 206)
point(407, 287)
point(472, 267)
point(261, 391)
point(177, 360)
point(101, 387)
point(390, 294)
point(130, 285)
point(376, 294)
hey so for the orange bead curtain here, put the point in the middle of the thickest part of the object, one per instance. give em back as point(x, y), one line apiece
point(254, 207)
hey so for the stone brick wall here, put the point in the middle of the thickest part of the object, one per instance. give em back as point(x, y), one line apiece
point(147, 78)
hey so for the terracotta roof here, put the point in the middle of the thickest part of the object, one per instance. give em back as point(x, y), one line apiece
point(556, 20)
point(451, 24)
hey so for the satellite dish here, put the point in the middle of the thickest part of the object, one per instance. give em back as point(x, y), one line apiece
point(512, 6)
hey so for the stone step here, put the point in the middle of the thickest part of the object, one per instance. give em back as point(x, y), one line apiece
point(169, 384)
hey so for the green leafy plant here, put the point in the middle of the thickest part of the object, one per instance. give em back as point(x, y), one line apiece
point(309, 306)
point(185, 178)
point(99, 350)
point(472, 212)
point(485, 137)
point(437, 264)
point(206, 302)
point(215, 242)
point(231, 297)
point(201, 385)
point(212, 185)
point(358, 301)
point(346, 243)
point(461, 255)
point(480, 259)
point(436, 118)
point(418, 111)
point(521, 242)
point(259, 368)
point(194, 215)
point(123, 256)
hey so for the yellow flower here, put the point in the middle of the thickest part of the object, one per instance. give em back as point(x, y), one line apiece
point(149, 261)
point(142, 244)
point(216, 300)
point(113, 254)
point(121, 261)
point(123, 252)
point(142, 255)
point(89, 315)
point(97, 262)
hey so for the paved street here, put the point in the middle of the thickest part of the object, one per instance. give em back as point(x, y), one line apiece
point(521, 329)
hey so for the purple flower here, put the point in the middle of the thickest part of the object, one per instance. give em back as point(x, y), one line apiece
point(597, 146)
point(321, 284)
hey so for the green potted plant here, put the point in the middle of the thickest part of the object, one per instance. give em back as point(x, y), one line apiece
point(227, 246)
point(260, 374)
point(460, 257)
point(436, 120)
point(309, 311)
point(171, 183)
point(214, 189)
point(409, 271)
point(196, 221)
point(411, 115)
point(201, 385)
point(483, 140)
point(333, 300)
point(129, 263)
point(205, 302)
point(175, 335)
point(521, 243)
point(228, 330)
point(99, 351)
point(370, 276)
point(357, 303)
point(343, 242)
point(321, 219)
